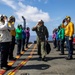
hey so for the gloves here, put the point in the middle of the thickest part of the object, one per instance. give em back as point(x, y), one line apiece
point(63, 21)
point(70, 38)
point(46, 39)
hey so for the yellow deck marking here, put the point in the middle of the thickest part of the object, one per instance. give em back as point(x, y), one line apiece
point(22, 63)
point(18, 56)
point(12, 62)
point(29, 56)
point(22, 52)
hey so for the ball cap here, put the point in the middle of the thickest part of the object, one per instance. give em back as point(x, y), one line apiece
point(41, 21)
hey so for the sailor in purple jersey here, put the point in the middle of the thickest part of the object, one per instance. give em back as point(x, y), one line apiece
point(27, 36)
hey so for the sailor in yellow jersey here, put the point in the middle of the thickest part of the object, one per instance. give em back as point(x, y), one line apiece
point(13, 34)
point(69, 31)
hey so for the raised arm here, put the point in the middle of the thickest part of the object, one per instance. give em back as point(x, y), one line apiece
point(34, 28)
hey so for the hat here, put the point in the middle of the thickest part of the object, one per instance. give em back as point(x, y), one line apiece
point(12, 18)
point(68, 18)
point(41, 21)
point(61, 26)
point(1, 17)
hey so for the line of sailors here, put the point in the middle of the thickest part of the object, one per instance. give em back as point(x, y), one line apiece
point(8, 33)
point(64, 33)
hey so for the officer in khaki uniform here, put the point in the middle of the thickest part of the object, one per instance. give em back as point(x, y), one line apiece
point(42, 37)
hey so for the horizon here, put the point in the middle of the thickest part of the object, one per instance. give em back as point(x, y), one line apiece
point(31, 39)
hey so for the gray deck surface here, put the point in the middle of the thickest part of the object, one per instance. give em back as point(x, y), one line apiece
point(56, 64)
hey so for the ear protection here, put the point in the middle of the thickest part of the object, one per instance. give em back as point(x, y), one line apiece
point(12, 18)
point(68, 17)
point(2, 17)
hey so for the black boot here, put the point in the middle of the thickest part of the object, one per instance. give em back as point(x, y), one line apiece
point(44, 59)
point(69, 58)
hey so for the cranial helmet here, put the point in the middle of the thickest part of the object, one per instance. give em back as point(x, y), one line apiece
point(1, 17)
point(68, 17)
point(12, 18)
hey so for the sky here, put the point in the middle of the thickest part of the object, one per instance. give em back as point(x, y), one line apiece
point(52, 12)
